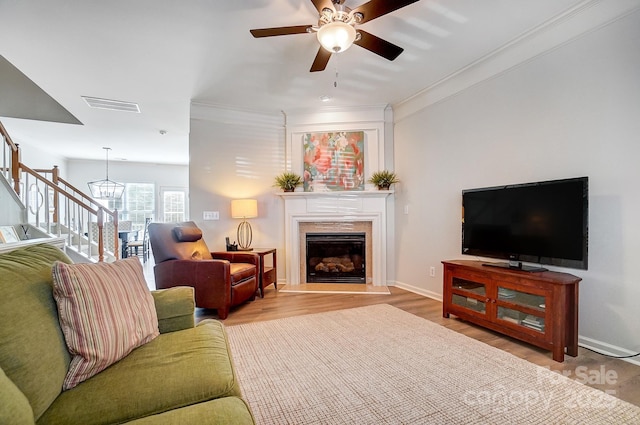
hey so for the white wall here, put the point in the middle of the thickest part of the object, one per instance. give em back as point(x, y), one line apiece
point(571, 112)
point(35, 157)
point(80, 172)
point(235, 155)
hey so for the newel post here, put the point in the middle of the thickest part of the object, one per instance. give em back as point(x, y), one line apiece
point(15, 168)
point(100, 218)
point(116, 237)
point(54, 177)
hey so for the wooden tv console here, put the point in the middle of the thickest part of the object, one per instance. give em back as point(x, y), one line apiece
point(540, 308)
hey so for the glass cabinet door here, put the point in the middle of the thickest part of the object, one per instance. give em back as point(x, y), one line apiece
point(463, 291)
point(469, 286)
point(521, 308)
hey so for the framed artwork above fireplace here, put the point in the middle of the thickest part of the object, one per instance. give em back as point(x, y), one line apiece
point(336, 159)
point(333, 160)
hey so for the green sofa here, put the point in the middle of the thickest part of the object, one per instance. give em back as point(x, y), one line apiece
point(183, 376)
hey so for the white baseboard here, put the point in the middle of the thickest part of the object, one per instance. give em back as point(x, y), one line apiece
point(608, 349)
point(420, 291)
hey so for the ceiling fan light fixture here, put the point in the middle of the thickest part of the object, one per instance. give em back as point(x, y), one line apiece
point(336, 29)
point(336, 37)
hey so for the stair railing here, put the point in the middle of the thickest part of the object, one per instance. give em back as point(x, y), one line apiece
point(10, 159)
point(55, 205)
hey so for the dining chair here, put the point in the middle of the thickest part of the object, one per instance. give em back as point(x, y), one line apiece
point(137, 247)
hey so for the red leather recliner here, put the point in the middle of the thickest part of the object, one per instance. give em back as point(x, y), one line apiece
point(220, 279)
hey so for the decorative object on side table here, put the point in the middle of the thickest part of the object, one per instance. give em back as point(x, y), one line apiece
point(383, 179)
point(244, 209)
point(288, 181)
point(231, 246)
point(8, 234)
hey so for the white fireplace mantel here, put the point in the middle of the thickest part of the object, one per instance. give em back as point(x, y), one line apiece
point(336, 207)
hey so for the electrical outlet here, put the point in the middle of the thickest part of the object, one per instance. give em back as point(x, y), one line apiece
point(432, 271)
point(210, 215)
point(406, 209)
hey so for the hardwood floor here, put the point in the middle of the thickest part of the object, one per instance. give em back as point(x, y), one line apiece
point(588, 367)
point(622, 378)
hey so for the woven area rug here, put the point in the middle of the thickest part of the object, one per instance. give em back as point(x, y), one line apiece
point(381, 365)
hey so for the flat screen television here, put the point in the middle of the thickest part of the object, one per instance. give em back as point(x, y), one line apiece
point(543, 222)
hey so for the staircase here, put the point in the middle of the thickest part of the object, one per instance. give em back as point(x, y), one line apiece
point(52, 207)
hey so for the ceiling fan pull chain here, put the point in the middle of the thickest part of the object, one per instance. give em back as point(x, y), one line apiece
point(337, 65)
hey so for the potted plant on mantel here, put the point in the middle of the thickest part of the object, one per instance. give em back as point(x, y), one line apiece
point(383, 179)
point(288, 181)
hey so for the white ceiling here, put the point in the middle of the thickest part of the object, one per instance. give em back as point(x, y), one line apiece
point(163, 54)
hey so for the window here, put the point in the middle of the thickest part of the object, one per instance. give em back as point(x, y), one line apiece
point(174, 205)
point(137, 203)
point(113, 204)
point(139, 200)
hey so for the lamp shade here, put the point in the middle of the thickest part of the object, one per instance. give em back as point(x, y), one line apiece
point(244, 208)
point(336, 36)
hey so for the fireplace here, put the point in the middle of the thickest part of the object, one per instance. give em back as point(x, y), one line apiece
point(336, 213)
point(336, 257)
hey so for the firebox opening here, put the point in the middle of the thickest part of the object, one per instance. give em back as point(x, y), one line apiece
point(336, 257)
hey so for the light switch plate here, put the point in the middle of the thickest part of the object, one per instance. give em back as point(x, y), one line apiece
point(210, 215)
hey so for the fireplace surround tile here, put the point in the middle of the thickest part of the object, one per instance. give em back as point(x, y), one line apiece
point(335, 227)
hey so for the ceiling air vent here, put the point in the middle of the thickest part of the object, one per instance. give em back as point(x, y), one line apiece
point(113, 105)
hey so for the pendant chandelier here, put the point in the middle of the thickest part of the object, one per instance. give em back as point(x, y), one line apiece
point(106, 189)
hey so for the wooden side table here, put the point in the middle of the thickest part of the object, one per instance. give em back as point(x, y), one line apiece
point(268, 273)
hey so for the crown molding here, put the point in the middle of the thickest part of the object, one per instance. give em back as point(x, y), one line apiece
point(575, 22)
point(337, 115)
point(235, 116)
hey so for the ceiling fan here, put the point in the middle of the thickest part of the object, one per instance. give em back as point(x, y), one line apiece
point(336, 29)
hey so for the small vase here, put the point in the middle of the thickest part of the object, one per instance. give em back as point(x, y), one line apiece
point(384, 187)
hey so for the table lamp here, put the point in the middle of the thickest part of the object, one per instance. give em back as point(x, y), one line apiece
point(244, 208)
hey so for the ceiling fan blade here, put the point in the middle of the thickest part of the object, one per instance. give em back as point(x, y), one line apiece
point(376, 8)
point(270, 32)
point(321, 60)
point(322, 4)
point(378, 46)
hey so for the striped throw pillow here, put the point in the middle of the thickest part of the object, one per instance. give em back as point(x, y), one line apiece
point(105, 311)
